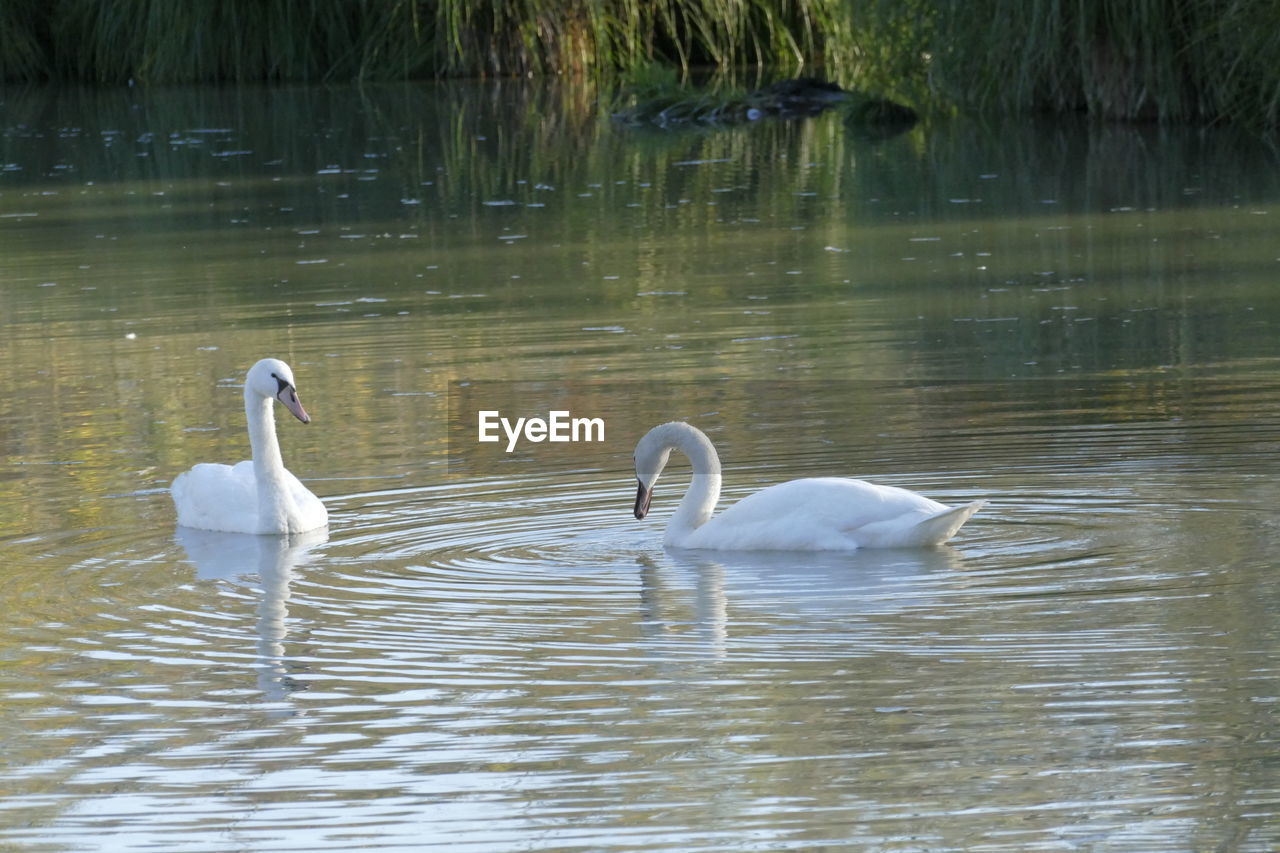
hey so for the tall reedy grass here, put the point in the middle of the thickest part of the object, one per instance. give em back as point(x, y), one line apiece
point(22, 44)
point(317, 40)
point(558, 36)
point(1173, 60)
point(113, 41)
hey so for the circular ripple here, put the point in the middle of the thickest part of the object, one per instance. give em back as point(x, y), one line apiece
point(484, 635)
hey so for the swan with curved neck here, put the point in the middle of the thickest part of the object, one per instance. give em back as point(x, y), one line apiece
point(257, 496)
point(814, 514)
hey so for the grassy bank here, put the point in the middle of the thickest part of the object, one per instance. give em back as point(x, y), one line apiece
point(325, 40)
point(1172, 60)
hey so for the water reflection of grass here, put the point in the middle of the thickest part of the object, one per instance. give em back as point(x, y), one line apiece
point(443, 150)
point(778, 248)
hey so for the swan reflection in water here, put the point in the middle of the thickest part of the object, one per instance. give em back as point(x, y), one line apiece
point(274, 559)
point(847, 587)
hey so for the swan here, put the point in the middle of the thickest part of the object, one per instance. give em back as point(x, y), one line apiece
point(814, 514)
point(258, 496)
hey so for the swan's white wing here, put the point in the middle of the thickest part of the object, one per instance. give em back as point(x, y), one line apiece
point(828, 513)
point(914, 530)
point(225, 498)
point(212, 496)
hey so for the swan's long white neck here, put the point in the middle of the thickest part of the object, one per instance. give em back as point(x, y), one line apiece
point(699, 502)
point(268, 466)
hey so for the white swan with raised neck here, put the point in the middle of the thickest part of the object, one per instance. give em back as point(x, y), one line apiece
point(258, 495)
point(813, 514)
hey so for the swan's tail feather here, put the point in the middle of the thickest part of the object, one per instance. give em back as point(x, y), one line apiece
point(937, 529)
point(911, 531)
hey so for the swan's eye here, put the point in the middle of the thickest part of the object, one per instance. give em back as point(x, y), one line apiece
point(283, 384)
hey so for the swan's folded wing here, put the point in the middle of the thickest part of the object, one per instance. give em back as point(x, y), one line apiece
point(814, 514)
point(211, 496)
point(918, 529)
point(829, 514)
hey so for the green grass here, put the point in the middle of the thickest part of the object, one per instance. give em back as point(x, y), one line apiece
point(1170, 60)
point(314, 40)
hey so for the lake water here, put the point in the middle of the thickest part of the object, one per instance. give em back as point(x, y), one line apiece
point(485, 650)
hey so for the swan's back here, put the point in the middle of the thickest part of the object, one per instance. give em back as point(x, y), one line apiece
point(830, 514)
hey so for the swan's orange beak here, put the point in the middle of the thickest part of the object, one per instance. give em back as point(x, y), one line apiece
point(643, 496)
point(289, 396)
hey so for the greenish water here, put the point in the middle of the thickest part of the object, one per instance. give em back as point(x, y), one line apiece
point(486, 651)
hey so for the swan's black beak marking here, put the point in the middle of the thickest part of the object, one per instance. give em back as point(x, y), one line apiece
point(288, 395)
point(643, 496)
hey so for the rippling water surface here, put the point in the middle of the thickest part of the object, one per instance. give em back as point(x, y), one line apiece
point(485, 650)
